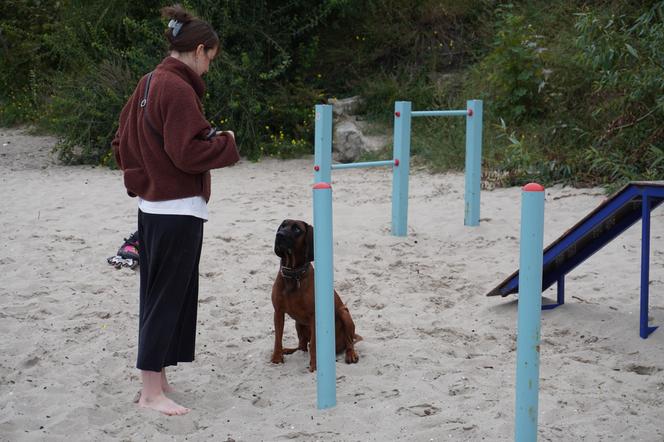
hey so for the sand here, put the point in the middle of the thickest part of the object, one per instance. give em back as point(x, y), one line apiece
point(438, 357)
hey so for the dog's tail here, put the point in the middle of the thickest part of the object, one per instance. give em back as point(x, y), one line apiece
point(357, 338)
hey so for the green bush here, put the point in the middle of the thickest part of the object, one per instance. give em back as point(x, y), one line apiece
point(625, 55)
point(572, 91)
point(265, 86)
point(84, 59)
point(85, 110)
point(90, 55)
point(516, 67)
point(22, 57)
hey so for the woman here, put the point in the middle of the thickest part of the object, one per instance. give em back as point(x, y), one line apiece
point(166, 148)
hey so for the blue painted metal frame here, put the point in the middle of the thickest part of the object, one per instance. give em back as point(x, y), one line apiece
point(358, 165)
point(473, 172)
point(400, 161)
point(323, 144)
point(444, 113)
point(401, 173)
point(326, 378)
point(615, 215)
point(529, 314)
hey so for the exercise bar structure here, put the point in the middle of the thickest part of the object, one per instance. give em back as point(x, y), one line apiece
point(400, 162)
point(323, 231)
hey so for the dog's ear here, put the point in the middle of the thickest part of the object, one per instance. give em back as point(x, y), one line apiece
point(310, 242)
point(277, 250)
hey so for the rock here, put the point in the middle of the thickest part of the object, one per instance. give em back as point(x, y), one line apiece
point(349, 141)
point(345, 106)
point(347, 144)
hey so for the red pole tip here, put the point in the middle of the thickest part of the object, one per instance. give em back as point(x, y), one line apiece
point(396, 161)
point(470, 112)
point(322, 186)
point(316, 168)
point(533, 187)
point(398, 114)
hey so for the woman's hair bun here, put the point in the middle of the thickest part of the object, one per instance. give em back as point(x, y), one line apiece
point(177, 12)
point(186, 31)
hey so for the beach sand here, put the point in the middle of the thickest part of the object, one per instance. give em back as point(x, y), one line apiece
point(438, 357)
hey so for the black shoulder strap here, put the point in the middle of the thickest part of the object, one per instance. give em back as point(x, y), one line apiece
point(144, 103)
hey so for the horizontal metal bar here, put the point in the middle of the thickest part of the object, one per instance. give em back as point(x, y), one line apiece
point(449, 113)
point(363, 164)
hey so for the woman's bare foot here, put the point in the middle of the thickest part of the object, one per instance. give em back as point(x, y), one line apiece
point(163, 404)
point(152, 396)
point(165, 386)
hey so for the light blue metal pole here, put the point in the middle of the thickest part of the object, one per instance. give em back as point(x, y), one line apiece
point(323, 144)
point(402, 118)
point(444, 113)
point(363, 164)
point(473, 163)
point(324, 296)
point(529, 312)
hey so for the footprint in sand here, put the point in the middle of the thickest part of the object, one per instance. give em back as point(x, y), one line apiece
point(421, 410)
point(642, 370)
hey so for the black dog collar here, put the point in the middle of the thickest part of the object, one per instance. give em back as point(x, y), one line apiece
point(294, 273)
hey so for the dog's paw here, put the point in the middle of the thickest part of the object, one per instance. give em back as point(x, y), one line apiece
point(312, 366)
point(277, 359)
point(352, 357)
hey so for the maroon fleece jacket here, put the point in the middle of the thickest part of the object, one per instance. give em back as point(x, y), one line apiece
point(163, 148)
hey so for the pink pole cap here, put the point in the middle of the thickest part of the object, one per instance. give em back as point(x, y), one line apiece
point(533, 187)
point(322, 186)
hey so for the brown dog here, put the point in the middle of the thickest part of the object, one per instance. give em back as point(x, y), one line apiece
point(293, 293)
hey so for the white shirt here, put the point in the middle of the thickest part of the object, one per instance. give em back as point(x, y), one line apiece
point(193, 206)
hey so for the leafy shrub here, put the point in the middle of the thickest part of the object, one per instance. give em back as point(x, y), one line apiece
point(624, 55)
point(264, 85)
point(86, 109)
point(90, 55)
point(516, 67)
point(21, 57)
point(572, 92)
point(84, 60)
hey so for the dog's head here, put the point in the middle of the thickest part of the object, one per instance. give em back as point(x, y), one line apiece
point(295, 239)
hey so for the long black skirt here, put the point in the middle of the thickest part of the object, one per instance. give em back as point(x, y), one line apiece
point(169, 254)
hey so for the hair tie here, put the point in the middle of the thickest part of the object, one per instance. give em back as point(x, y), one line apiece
point(175, 26)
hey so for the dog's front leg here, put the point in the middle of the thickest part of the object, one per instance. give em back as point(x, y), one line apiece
point(278, 353)
point(303, 339)
point(312, 345)
point(349, 331)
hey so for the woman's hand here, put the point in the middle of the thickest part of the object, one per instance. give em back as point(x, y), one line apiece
point(227, 132)
point(232, 135)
